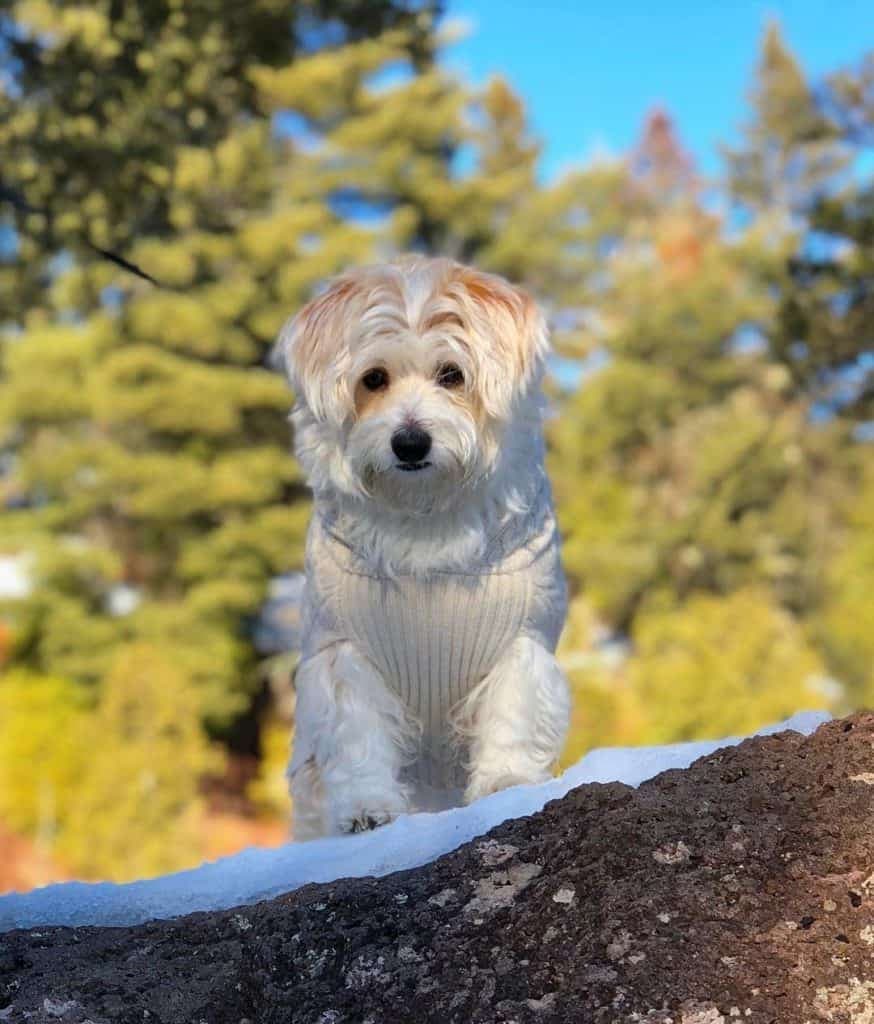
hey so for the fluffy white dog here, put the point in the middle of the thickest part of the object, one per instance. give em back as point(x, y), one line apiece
point(434, 594)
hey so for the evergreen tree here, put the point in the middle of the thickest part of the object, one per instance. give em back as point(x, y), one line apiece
point(819, 140)
point(147, 427)
point(801, 170)
point(830, 316)
point(825, 328)
point(99, 103)
point(787, 148)
point(690, 479)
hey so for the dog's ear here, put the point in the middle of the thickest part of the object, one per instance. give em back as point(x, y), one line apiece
point(313, 346)
point(511, 327)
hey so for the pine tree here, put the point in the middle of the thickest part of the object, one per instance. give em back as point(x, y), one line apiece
point(787, 148)
point(824, 331)
point(690, 479)
point(801, 169)
point(829, 315)
point(816, 139)
point(147, 426)
point(125, 89)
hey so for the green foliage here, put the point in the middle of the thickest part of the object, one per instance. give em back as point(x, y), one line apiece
point(721, 667)
point(110, 788)
point(803, 172)
point(706, 473)
point(846, 626)
point(137, 120)
point(136, 809)
point(789, 146)
point(42, 756)
point(685, 464)
point(269, 789)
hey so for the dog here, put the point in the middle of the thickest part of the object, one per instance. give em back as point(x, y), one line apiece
point(434, 593)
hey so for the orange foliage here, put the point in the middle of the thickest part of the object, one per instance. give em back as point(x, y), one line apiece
point(5, 643)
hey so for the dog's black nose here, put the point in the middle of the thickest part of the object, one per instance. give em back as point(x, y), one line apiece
point(411, 444)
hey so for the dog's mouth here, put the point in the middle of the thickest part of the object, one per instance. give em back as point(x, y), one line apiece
point(412, 467)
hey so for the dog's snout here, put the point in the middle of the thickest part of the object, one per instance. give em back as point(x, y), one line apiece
point(411, 444)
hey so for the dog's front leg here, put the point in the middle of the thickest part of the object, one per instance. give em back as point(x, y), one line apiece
point(351, 734)
point(516, 720)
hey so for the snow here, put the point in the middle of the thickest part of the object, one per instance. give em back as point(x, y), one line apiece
point(14, 577)
point(415, 839)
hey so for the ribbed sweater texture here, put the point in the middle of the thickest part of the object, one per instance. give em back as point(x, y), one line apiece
point(433, 638)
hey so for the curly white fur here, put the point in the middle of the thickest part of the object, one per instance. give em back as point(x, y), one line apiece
point(434, 593)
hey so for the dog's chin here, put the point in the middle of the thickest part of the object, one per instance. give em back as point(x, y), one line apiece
point(417, 488)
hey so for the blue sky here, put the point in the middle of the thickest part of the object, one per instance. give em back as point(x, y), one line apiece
point(589, 70)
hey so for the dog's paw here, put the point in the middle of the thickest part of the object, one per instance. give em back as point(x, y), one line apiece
point(367, 822)
point(364, 816)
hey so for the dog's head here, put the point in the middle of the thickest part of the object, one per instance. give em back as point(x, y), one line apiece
point(407, 376)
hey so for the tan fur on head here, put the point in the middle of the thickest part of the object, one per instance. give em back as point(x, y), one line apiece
point(314, 342)
point(506, 319)
point(498, 323)
point(411, 321)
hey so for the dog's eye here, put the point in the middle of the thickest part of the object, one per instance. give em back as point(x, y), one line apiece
point(375, 380)
point(450, 376)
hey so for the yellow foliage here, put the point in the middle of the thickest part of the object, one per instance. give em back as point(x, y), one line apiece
point(846, 623)
point(721, 666)
point(605, 711)
point(42, 750)
point(136, 810)
point(269, 790)
point(210, 655)
point(50, 372)
point(194, 168)
point(87, 24)
point(143, 384)
point(320, 84)
point(172, 263)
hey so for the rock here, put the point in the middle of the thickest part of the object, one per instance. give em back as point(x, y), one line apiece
point(739, 889)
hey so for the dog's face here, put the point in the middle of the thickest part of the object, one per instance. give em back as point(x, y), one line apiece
point(406, 378)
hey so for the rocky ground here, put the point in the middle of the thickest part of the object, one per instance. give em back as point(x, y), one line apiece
point(741, 888)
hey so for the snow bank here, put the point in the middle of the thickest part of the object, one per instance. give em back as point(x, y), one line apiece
point(413, 840)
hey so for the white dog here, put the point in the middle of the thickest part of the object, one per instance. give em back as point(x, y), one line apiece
point(434, 594)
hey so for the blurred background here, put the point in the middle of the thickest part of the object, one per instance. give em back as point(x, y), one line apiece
point(689, 191)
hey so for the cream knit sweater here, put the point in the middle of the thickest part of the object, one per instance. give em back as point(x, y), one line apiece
point(434, 638)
